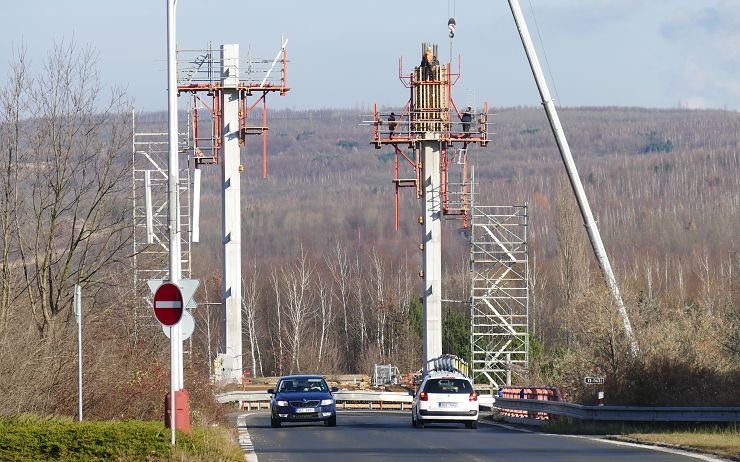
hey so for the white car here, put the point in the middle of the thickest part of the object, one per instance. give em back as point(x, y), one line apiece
point(445, 397)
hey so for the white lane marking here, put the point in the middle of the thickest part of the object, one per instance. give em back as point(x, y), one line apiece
point(508, 427)
point(245, 442)
point(704, 457)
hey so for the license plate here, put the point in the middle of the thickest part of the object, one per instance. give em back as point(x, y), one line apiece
point(303, 410)
point(447, 404)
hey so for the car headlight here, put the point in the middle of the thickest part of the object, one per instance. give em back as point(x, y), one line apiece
point(281, 403)
point(327, 402)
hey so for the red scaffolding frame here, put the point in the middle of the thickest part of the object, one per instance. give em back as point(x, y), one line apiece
point(451, 135)
point(207, 93)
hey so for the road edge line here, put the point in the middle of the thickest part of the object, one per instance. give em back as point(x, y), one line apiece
point(680, 452)
point(244, 440)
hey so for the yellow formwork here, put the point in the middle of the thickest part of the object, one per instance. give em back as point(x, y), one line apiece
point(431, 100)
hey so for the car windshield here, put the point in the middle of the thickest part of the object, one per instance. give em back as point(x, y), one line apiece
point(448, 386)
point(302, 385)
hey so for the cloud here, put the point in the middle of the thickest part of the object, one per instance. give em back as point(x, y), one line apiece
point(592, 15)
point(706, 21)
point(707, 37)
point(694, 102)
point(719, 21)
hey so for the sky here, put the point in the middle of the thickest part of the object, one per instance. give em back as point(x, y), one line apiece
point(345, 54)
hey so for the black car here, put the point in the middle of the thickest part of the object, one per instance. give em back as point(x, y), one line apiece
point(302, 398)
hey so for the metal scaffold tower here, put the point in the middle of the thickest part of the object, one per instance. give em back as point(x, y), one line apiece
point(151, 235)
point(499, 308)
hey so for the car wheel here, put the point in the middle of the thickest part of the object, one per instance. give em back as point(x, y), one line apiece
point(332, 421)
point(418, 423)
point(274, 423)
point(472, 424)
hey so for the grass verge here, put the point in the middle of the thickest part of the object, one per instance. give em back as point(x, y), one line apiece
point(721, 440)
point(29, 438)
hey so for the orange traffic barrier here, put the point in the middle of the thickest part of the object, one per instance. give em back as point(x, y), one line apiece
point(538, 393)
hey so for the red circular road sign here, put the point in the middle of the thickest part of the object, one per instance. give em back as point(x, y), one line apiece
point(168, 304)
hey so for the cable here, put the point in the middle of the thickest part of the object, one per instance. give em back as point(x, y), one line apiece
point(451, 24)
point(544, 52)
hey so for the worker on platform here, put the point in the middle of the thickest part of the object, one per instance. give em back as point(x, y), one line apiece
point(466, 118)
point(392, 123)
point(428, 62)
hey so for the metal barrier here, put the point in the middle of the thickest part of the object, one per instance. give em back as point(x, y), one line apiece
point(344, 399)
point(528, 407)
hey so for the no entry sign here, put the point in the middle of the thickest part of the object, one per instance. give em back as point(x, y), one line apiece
point(168, 304)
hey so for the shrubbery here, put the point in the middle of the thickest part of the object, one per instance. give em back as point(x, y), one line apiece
point(30, 438)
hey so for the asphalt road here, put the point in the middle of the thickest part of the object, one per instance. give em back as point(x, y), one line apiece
point(389, 436)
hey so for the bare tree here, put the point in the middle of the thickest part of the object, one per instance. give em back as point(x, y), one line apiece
point(250, 297)
point(327, 317)
point(297, 281)
point(279, 353)
point(573, 263)
point(209, 319)
point(537, 287)
point(13, 106)
point(74, 226)
point(380, 306)
point(338, 264)
point(360, 299)
point(64, 193)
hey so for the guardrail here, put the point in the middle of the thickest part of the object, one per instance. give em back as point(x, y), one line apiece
point(248, 398)
point(344, 399)
point(534, 407)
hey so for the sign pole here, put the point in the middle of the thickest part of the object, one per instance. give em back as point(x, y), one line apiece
point(173, 384)
point(172, 186)
point(168, 309)
point(78, 316)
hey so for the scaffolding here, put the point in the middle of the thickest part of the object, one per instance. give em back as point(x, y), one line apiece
point(150, 232)
point(200, 77)
point(499, 308)
point(218, 82)
point(431, 109)
point(431, 135)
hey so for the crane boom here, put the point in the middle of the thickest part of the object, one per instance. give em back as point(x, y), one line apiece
point(575, 181)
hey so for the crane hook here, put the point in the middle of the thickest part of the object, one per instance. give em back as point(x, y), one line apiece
point(451, 27)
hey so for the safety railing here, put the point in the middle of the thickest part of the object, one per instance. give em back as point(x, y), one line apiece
point(379, 400)
point(528, 410)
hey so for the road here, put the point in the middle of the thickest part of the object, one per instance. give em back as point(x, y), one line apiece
point(389, 436)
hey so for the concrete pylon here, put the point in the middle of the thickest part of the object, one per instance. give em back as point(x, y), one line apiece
point(431, 238)
point(231, 211)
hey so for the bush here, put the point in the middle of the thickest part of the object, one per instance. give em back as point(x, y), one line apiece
point(30, 438)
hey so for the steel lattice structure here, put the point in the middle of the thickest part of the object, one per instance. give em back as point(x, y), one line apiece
point(499, 310)
point(149, 185)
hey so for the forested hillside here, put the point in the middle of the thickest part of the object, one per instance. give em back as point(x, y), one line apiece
point(663, 185)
